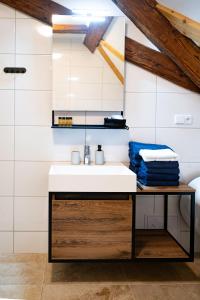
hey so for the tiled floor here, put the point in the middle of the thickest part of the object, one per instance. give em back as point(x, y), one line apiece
point(30, 277)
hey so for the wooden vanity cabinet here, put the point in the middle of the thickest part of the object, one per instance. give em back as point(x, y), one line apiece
point(90, 226)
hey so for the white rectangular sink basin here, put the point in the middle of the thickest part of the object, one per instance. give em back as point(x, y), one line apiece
point(91, 178)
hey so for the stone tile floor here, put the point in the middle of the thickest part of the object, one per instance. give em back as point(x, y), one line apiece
point(31, 277)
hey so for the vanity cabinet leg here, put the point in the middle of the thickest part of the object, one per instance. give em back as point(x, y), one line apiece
point(192, 224)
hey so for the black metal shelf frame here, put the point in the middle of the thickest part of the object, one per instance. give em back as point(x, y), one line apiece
point(82, 126)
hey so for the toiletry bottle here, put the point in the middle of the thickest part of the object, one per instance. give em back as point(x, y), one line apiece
point(99, 156)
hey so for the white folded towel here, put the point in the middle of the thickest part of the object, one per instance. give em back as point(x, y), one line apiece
point(158, 155)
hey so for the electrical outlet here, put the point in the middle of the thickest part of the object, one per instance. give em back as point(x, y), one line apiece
point(188, 119)
point(155, 222)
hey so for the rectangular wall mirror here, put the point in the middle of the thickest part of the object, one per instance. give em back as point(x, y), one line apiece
point(88, 63)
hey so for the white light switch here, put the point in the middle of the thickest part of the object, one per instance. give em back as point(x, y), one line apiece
point(183, 119)
point(179, 119)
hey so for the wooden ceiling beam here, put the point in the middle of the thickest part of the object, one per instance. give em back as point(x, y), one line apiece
point(145, 15)
point(185, 25)
point(111, 64)
point(95, 33)
point(158, 64)
point(39, 9)
point(68, 28)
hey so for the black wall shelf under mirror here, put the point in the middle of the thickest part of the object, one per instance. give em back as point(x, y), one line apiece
point(68, 122)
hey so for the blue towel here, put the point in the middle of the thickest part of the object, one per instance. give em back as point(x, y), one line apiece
point(160, 177)
point(135, 147)
point(162, 169)
point(155, 173)
point(160, 164)
point(134, 168)
point(169, 171)
point(158, 183)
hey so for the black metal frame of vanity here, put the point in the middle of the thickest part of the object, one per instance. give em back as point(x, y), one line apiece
point(146, 245)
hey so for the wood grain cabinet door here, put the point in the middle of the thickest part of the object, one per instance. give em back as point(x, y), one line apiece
point(91, 229)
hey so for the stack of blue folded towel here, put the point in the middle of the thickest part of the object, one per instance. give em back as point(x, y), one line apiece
point(155, 165)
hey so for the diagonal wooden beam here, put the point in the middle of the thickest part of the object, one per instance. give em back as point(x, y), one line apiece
point(111, 64)
point(113, 50)
point(158, 29)
point(39, 9)
point(95, 33)
point(157, 63)
point(185, 25)
point(70, 28)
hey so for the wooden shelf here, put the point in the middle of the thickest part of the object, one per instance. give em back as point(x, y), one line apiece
point(181, 188)
point(157, 244)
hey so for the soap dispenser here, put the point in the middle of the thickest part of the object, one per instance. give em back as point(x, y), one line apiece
point(99, 156)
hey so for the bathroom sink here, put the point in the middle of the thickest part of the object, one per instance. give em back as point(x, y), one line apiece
point(91, 178)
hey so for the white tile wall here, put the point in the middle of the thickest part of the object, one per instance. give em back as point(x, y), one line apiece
point(32, 108)
point(38, 75)
point(32, 37)
point(6, 80)
point(164, 86)
point(33, 143)
point(139, 80)
point(8, 40)
point(31, 179)
point(6, 178)
point(30, 242)
point(6, 245)
point(6, 213)
point(31, 214)
point(185, 142)
point(137, 103)
point(7, 141)
point(28, 145)
point(7, 107)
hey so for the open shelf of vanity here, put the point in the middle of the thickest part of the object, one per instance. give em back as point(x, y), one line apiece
point(160, 244)
point(101, 227)
point(157, 244)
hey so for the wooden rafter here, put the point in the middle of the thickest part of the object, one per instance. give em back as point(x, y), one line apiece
point(95, 33)
point(39, 9)
point(111, 64)
point(157, 63)
point(185, 25)
point(145, 15)
point(113, 50)
point(59, 28)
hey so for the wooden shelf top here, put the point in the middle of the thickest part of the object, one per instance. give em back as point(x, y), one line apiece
point(157, 244)
point(182, 188)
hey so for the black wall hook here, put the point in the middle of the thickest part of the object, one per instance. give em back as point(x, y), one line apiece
point(14, 70)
